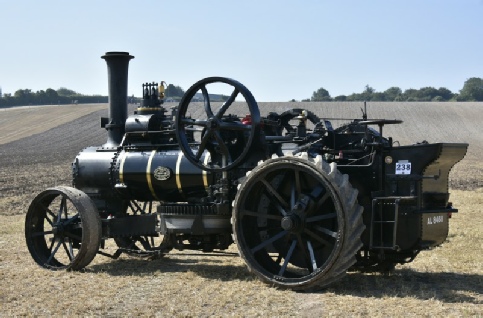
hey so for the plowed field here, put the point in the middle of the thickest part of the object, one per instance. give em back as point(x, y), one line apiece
point(38, 144)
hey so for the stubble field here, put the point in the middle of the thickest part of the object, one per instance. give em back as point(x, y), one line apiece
point(37, 146)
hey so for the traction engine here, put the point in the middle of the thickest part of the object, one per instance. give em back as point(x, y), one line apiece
point(303, 201)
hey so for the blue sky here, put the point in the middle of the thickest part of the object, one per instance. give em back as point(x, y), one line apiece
point(279, 49)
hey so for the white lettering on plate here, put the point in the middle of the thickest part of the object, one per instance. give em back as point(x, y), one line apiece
point(435, 219)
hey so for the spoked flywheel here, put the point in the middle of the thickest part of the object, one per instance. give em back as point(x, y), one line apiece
point(297, 222)
point(63, 229)
point(152, 245)
point(223, 135)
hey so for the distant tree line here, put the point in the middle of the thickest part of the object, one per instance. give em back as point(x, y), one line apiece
point(24, 97)
point(174, 92)
point(472, 91)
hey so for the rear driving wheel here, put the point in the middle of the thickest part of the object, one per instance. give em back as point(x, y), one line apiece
point(63, 229)
point(297, 223)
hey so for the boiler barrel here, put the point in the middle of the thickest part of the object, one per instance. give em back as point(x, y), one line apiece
point(161, 176)
point(91, 171)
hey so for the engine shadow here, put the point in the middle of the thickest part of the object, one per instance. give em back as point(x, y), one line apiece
point(219, 266)
point(446, 287)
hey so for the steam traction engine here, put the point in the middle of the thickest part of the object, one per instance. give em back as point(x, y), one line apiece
point(303, 201)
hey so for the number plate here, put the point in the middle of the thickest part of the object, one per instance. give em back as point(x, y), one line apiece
point(403, 167)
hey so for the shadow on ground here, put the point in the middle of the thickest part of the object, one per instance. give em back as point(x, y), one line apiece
point(443, 286)
point(209, 265)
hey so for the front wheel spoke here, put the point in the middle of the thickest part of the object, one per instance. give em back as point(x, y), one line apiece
point(54, 251)
point(268, 242)
point(69, 250)
point(74, 218)
point(51, 222)
point(260, 215)
point(326, 231)
point(62, 208)
point(52, 243)
point(52, 215)
point(321, 217)
point(64, 199)
point(35, 234)
point(287, 258)
point(275, 194)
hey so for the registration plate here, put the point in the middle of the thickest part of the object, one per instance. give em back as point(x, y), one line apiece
point(403, 167)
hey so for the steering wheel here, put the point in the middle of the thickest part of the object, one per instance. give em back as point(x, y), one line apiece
point(221, 134)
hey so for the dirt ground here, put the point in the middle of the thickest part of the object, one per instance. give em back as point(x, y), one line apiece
point(447, 281)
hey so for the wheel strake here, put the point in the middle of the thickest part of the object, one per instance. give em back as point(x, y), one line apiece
point(297, 222)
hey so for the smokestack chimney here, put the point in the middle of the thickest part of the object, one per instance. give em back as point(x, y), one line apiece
point(117, 69)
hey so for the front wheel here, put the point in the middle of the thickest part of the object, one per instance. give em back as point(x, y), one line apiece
point(63, 229)
point(297, 222)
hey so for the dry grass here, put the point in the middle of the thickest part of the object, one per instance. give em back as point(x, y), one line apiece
point(444, 282)
point(447, 281)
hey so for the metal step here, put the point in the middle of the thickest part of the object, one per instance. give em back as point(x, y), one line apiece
point(384, 220)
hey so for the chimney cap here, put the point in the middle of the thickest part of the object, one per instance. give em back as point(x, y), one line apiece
point(116, 53)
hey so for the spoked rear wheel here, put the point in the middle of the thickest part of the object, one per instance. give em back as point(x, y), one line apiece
point(63, 229)
point(297, 223)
